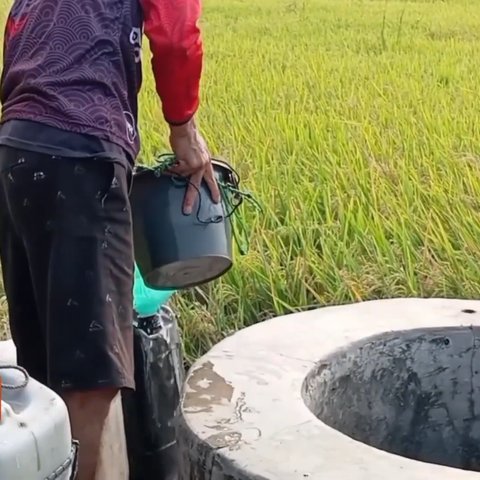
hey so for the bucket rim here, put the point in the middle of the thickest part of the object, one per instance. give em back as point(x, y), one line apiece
point(196, 283)
point(218, 164)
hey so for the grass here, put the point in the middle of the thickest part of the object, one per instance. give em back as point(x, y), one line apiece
point(355, 123)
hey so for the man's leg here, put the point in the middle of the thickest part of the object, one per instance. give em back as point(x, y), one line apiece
point(116, 448)
point(25, 324)
point(78, 239)
point(97, 422)
point(100, 303)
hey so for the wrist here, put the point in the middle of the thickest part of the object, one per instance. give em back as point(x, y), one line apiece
point(184, 129)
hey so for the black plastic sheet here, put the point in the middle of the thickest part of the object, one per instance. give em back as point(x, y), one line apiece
point(151, 411)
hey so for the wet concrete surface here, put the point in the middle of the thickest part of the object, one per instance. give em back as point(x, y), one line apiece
point(368, 391)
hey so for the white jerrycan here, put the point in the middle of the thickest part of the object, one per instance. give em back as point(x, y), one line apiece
point(35, 436)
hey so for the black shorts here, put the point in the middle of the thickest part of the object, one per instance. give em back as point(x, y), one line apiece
point(66, 250)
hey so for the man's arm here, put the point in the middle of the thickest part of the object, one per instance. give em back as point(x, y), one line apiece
point(176, 45)
point(177, 55)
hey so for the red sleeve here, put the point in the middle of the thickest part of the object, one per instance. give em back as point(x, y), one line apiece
point(177, 54)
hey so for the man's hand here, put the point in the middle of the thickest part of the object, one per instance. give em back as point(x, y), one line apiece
point(193, 160)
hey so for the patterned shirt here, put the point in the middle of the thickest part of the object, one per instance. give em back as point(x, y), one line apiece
point(75, 65)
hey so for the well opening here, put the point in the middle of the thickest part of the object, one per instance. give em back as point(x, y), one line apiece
point(414, 393)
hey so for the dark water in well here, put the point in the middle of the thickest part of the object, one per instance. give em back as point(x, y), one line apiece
point(414, 393)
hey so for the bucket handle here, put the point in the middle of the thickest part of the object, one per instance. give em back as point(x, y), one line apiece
point(22, 370)
point(228, 191)
point(166, 161)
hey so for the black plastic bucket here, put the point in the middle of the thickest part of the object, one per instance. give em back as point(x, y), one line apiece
point(174, 250)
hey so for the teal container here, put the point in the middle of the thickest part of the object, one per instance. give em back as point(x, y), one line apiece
point(147, 301)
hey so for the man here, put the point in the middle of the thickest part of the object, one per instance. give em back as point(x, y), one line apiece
point(68, 140)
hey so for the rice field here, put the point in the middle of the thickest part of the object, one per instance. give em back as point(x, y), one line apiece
point(355, 124)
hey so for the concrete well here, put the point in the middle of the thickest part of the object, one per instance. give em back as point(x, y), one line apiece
point(371, 391)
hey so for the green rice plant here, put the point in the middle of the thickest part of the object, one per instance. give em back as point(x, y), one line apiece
point(355, 124)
